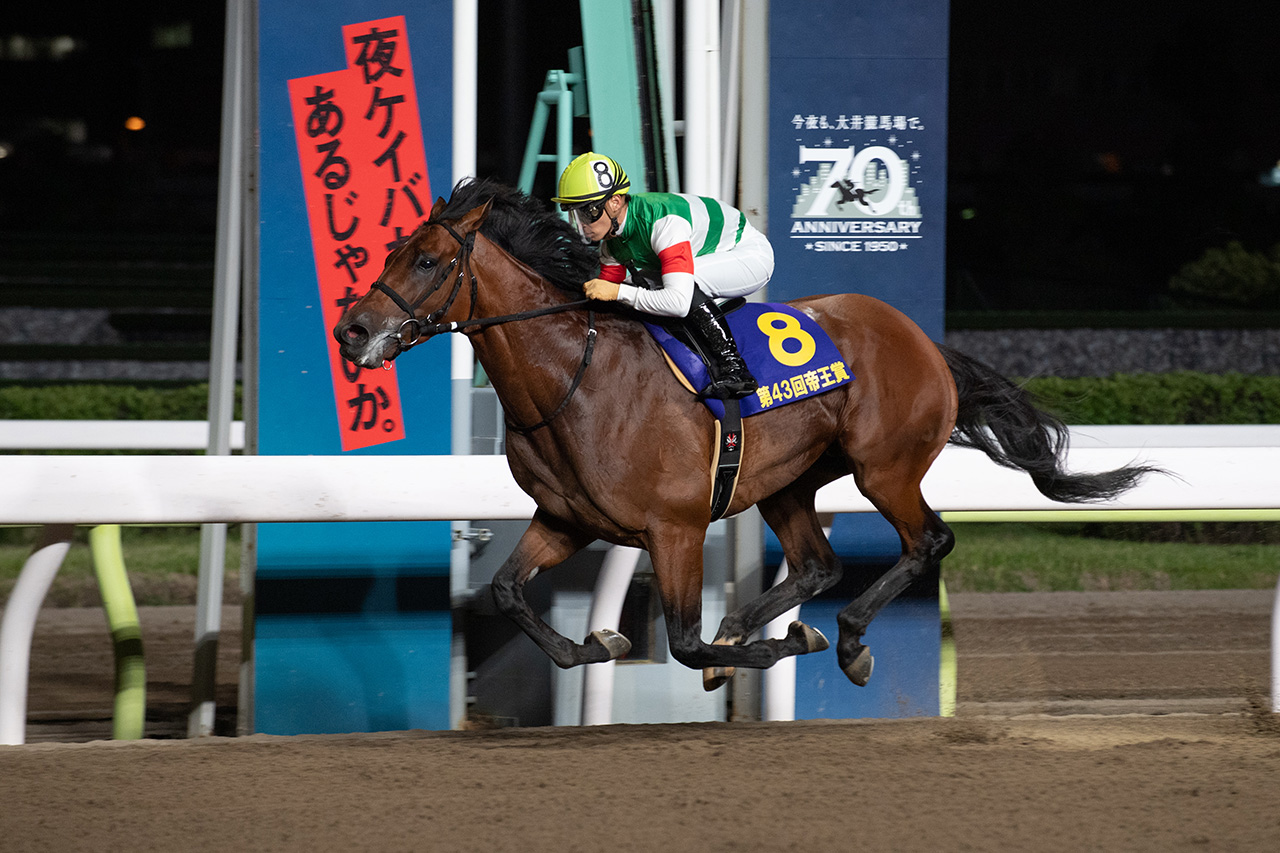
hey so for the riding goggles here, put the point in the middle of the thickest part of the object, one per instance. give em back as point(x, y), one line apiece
point(586, 212)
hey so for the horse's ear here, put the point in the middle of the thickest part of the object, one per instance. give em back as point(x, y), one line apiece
point(438, 207)
point(475, 217)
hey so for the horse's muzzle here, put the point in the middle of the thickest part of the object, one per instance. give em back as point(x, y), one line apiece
point(358, 346)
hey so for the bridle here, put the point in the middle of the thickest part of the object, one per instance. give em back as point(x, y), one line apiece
point(414, 331)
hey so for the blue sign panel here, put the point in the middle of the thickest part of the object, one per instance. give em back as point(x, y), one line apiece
point(857, 152)
point(352, 620)
point(857, 198)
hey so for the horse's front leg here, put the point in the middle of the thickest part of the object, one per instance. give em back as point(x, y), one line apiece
point(547, 543)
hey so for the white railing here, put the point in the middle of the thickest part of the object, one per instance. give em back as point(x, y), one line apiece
point(111, 435)
point(117, 596)
point(1226, 483)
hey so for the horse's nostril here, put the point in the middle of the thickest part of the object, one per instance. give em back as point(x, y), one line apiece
point(355, 334)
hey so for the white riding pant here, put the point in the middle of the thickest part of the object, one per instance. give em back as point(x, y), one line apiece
point(739, 272)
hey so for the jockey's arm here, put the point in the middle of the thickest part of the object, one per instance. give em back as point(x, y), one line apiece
point(612, 275)
point(671, 242)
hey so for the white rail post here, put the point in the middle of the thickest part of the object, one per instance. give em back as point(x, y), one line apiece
point(702, 94)
point(466, 35)
point(222, 367)
point(606, 610)
point(780, 679)
point(1275, 652)
point(20, 624)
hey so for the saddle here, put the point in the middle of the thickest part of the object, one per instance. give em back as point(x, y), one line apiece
point(789, 354)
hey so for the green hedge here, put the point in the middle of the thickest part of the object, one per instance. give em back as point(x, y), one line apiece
point(1162, 398)
point(1140, 398)
point(109, 402)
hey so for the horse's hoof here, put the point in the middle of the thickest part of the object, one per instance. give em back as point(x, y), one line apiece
point(614, 643)
point(813, 639)
point(715, 677)
point(859, 671)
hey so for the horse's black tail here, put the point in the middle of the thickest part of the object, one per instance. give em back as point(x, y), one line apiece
point(1003, 421)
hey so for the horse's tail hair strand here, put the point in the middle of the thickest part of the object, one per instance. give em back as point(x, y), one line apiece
point(1003, 421)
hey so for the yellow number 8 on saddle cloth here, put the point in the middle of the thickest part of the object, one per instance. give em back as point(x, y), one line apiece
point(789, 354)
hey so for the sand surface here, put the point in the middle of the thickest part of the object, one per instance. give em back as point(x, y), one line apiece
point(1086, 721)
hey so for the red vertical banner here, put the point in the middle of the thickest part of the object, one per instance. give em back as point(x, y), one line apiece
point(364, 173)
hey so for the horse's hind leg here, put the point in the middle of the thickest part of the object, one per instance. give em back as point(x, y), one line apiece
point(548, 543)
point(926, 539)
point(814, 567)
point(677, 563)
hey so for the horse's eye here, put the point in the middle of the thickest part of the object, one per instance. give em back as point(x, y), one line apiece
point(426, 262)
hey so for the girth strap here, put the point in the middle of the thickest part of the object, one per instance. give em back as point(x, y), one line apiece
point(728, 459)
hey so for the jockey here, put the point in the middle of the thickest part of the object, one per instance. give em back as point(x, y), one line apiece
point(670, 255)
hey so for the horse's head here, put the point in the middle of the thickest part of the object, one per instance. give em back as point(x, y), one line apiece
point(420, 282)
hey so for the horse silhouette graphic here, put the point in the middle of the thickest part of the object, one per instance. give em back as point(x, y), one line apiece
point(848, 192)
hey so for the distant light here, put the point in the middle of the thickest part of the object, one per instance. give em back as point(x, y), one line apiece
point(134, 123)
point(1110, 162)
point(968, 213)
point(17, 47)
point(77, 131)
point(20, 48)
point(1271, 178)
point(60, 47)
point(5, 150)
point(168, 36)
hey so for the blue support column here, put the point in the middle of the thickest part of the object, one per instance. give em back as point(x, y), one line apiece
point(857, 132)
point(352, 622)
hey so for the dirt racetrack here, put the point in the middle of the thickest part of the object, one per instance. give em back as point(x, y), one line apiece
point(1086, 721)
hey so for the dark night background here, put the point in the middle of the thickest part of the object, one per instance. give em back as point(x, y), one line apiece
point(1094, 147)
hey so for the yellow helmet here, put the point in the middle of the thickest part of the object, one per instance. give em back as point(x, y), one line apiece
point(590, 177)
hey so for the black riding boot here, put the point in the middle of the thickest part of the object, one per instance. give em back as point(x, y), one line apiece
point(730, 378)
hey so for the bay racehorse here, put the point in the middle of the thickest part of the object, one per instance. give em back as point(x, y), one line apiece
point(612, 447)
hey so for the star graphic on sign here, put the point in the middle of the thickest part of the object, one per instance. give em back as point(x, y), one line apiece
point(915, 155)
point(827, 142)
point(808, 247)
point(795, 173)
point(893, 139)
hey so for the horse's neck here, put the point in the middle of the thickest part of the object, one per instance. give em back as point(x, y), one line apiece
point(506, 286)
point(529, 361)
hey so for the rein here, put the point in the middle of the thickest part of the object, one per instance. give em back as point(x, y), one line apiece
point(420, 330)
point(577, 379)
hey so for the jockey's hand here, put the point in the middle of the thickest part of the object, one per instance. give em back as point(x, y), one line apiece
point(604, 291)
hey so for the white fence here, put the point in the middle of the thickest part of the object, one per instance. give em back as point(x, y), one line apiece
point(1222, 482)
point(198, 489)
point(111, 435)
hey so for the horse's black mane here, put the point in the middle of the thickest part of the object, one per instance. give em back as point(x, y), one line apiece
point(524, 227)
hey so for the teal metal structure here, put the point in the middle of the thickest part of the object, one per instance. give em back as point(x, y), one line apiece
point(565, 91)
point(613, 80)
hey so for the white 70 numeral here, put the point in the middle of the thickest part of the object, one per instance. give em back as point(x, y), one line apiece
point(846, 165)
